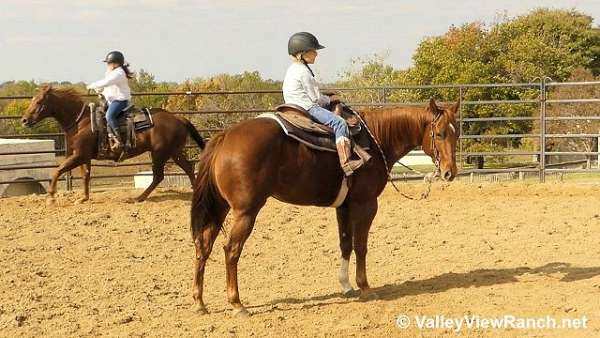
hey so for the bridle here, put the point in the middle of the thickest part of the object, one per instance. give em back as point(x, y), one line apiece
point(434, 149)
point(42, 107)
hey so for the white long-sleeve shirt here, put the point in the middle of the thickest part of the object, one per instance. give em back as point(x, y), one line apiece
point(115, 84)
point(300, 87)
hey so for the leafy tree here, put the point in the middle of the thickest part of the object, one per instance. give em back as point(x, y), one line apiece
point(365, 72)
point(247, 81)
point(551, 43)
point(144, 82)
point(590, 126)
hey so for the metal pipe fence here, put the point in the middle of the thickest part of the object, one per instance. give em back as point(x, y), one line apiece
point(385, 98)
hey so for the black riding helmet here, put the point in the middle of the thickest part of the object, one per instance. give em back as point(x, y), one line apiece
point(302, 42)
point(115, 57)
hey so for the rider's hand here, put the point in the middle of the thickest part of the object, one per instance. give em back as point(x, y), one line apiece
point(335, 99)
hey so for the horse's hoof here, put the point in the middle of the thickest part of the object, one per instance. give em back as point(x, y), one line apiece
point(50, 202)
point(200, 309)
point(81, 200)
point(367, 296)
point(241, 313)
point(350, 293)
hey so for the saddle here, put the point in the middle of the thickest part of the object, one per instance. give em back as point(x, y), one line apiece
point(131, 120)
point(297, 123)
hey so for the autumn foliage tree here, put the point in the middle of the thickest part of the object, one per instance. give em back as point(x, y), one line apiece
point(543, 43)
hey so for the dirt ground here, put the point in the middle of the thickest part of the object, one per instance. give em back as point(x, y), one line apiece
point(113, 268)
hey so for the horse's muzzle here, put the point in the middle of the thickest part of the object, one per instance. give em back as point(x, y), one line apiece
point(27, 123)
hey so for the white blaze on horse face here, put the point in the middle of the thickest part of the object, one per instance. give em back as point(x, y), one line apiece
point(343, 276)
point(452, 127)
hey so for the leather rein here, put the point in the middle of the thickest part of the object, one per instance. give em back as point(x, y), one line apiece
point(76, 122)
point(435, 152)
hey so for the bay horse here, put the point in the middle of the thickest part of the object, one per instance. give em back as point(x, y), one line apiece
point(253, 160)
point(165, 140)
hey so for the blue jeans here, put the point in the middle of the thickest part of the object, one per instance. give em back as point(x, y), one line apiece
point(112, 113)
point(331, 120)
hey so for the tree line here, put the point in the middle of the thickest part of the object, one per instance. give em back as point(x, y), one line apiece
point(562, 45)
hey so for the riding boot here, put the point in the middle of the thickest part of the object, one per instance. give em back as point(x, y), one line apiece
point(362, 153)
point(114, 140)
point(344, 151)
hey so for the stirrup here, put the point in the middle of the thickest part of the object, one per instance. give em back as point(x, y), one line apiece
point(114, 143)
point(362, 153)
point(351, 166)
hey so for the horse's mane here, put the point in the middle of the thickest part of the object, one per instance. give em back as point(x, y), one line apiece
point(64, 103)
point(65, 94)
point(396, 123)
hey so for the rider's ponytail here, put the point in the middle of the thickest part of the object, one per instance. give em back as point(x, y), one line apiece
point(300, 58)
point(128, 72)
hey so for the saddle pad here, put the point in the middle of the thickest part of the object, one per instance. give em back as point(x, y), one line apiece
point(142, 119)
point(315, 140)
point(323, 142)
point(300, 121)
point(130, 122)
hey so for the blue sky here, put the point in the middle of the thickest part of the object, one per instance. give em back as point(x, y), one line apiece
point(176, 39)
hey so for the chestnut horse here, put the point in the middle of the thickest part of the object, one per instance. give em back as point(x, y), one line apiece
point(253, 160)
point(164, 141)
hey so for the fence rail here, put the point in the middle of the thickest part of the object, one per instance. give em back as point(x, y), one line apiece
point(538, 88)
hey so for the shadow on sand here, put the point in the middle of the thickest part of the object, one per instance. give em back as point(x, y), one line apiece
point(443, 282)
point(170, 195)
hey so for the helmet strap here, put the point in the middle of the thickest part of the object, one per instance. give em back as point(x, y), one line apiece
point(306, 64)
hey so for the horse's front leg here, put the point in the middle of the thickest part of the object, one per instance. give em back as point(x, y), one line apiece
point(86, 169)
point(68, 164)
point(345, 234)
point(361, 216)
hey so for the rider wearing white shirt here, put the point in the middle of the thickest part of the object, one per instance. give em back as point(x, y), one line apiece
point(115, 84)
point(116, 91)
point(300, 88)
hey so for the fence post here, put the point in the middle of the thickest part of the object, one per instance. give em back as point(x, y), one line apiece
point(542, 130)
point(460, 127)
point(68, 177)
point(383, 95)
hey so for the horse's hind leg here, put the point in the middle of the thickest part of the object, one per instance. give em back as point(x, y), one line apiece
point(203, 242)
point(345, 234)
point(158, 174)
point(185, 164)
point(239, 233)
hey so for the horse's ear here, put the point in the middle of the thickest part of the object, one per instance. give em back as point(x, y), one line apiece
point(45, 89)
point(433, 107)
point(454, 108)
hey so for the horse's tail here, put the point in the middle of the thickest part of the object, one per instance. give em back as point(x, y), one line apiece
point(193, 132)
point(208, 206)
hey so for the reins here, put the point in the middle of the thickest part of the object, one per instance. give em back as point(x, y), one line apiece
point(435, 152)
point(79, 116)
